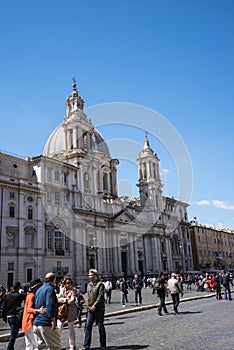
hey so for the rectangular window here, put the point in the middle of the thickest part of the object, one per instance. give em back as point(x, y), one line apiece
point(49, 173)
point(10, 266)
point(49, 239)
point(12, 195)
point(65, 199)
point(29, 240)
point(57, 198)
point(200, 252)
point(65, 177)
point(48, 195)
point(56, 175)
point(30, 214)
point(12, 211)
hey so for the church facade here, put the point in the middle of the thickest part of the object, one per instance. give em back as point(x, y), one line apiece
point(61, 211)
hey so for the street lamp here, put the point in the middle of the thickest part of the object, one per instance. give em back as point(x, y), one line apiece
point(182, 256)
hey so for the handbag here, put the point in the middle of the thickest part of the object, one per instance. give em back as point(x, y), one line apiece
point(63, 312)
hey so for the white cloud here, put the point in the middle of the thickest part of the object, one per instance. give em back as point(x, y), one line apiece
point(216, 203)
point(203, 202)
point(222, 205)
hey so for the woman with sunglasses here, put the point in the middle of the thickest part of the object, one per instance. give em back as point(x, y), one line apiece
point(67, 295)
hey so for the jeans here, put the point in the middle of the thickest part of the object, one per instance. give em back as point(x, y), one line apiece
point(15, 326)
point(176, 301)
point(138, 294)
point(226, 288)
point(108, 295)
point(162, 304)
point(98, 316)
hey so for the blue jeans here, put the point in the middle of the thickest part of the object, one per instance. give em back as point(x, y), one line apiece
point(162, 304)
point(108, 296)
point(98, 316)
point(15, 326)
point(176, 301)
point(226, 290)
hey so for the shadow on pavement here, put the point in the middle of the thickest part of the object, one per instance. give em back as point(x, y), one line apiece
point(125, 347)
point(190, 312)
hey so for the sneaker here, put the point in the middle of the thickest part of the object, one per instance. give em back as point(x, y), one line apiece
point(159, 314)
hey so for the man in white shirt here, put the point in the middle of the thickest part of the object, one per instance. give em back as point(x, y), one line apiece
point(175, 290)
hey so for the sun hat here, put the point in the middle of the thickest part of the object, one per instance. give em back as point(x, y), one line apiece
point(35, 283)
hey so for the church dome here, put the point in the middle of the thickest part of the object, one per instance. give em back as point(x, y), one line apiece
point(75, 132)
point(56, 146)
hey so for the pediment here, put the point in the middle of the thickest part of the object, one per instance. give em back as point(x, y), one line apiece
point(125, 216)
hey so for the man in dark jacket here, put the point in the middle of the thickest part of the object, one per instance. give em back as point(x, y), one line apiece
point(11, 308)
point(161, 289)
point(47, 334)
point(225, 281)
point(137, 287)
point(96, 310)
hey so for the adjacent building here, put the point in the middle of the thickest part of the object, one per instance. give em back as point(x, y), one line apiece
point(61, 212)
point(213, 248)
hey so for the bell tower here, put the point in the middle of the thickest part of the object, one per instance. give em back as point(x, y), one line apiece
point(149, 183)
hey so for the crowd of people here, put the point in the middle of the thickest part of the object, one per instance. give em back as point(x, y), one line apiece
point(41, 308)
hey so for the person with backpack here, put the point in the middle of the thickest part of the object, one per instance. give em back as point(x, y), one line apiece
point(11, 308)
point(225, 281)
point(161, 290)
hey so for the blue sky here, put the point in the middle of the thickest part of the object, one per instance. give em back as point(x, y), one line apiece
point(172, 56)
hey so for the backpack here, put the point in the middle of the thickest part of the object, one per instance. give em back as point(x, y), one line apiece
point(157, 284)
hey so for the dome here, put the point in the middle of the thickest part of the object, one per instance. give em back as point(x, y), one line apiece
point(55, 144)
point(76, 132)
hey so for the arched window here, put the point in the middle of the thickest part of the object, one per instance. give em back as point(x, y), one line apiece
point(86, 180)
point(105, 182)
point(85, 141)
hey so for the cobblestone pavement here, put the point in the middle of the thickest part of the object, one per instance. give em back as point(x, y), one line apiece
point(203, 324)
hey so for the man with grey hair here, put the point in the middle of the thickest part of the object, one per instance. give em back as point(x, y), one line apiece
point(96, 310)
point(45, 325)
point(175, 290)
